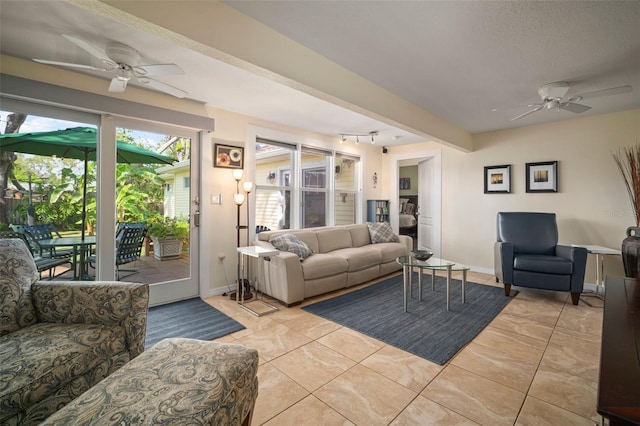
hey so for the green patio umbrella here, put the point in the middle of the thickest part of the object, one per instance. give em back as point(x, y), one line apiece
point(78, 143)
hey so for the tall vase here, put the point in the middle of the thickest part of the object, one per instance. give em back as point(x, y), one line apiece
point(631, 252)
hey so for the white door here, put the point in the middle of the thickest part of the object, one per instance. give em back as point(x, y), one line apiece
point(426, 206)
point(176, 278)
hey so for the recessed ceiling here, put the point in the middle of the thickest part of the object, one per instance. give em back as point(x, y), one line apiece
point(458, 60)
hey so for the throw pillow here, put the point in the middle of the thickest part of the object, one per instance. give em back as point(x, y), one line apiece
point(292, 244)
point(381, 232)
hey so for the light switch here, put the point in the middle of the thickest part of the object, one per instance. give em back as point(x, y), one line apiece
point(216, 198)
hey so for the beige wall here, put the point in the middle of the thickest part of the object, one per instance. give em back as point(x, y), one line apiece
point(592, 205)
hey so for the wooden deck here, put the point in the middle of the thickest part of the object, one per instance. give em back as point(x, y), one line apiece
point(149, 270)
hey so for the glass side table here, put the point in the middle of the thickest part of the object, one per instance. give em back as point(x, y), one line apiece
point(410, 262)
point(600, 253)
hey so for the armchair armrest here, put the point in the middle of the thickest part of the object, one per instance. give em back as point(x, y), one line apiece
point(503, 261)
point(96, 302)
point(578, 255)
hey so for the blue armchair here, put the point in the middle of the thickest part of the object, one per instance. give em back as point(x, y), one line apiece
point(527, 254)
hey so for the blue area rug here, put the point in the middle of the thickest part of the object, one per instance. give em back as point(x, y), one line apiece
point(192, 318)
point(427, 329)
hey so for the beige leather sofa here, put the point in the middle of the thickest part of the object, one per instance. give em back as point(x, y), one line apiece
point(343, 256)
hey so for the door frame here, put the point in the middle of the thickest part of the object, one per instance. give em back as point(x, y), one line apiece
point(106, 185)
point(410, 159)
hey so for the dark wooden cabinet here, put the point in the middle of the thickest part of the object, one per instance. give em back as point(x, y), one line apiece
point(619, 384)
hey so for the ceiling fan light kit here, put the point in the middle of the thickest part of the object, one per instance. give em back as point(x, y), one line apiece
point(125, 62)
point(553, 94)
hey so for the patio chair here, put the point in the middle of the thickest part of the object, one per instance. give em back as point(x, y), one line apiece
point(37, 233)
point(128, 246)
point(42, 263)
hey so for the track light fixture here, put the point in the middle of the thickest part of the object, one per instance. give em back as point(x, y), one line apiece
point(356, 136)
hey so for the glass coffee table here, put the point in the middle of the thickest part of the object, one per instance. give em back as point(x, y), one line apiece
point(434, 263)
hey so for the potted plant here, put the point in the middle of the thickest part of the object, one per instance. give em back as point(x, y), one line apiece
point(628, 161)
point(168, 236)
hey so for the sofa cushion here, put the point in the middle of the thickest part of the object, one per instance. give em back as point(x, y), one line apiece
point(360, 258)
point(31, 373)
point(322, 265)
point(16, 307)
point(389, 252)
point(17, 262)
point(359, 235)
point(381, 232)
point(544, 264)
point(333, 239)
point(292, 244)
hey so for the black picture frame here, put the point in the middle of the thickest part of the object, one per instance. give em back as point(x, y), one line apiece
point(228, 156)
point(542, 176)
point(497, 179)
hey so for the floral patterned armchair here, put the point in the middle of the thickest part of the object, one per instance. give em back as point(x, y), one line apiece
point(58, 339)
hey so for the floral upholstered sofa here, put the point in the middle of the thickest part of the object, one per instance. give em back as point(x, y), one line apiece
point(58, 339)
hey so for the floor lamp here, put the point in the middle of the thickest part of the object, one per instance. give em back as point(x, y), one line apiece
point(239, 199)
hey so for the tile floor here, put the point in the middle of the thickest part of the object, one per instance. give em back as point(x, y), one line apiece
point(535, 364)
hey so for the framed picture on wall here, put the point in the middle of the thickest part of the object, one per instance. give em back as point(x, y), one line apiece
point(497, 179)
point(405, 183)
point(542, 177)
point(228, 157)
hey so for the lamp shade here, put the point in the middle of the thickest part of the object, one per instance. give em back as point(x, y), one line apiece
point(247, 186)
point(237, 174)
point(238, 199)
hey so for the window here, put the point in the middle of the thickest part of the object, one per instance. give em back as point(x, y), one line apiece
point(346, 189)
point(187, 182)
point(296, 187)
point(274, 164)
point(314, 190)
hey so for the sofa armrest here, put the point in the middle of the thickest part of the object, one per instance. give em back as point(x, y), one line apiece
point(503, 262)
point(407, 241)
point(96, 302)
point(283, 276)
point(577, 255)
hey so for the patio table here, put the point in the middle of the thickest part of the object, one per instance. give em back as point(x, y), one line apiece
point(80, 247)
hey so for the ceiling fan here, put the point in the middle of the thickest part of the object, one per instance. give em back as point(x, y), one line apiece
point(124, 62)
point(552, 95)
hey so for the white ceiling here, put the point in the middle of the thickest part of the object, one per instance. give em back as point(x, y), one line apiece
point(458, 60)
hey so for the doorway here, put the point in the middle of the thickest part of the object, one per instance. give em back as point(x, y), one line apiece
point(429, 218)
point(170, 265)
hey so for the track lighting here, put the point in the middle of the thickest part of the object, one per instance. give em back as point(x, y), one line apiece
point(344, 136)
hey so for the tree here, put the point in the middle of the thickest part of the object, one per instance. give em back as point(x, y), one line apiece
point(14, 121)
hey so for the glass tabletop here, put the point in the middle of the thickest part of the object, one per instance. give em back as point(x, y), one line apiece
point(433, 262)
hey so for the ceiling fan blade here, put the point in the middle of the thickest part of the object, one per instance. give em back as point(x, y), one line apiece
point(604, 92)
point(574, 107)
point(538, 108)
point(161, 69)
point(117, 85)
point(163, 87)
point(98, 53)
point(68, 64)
